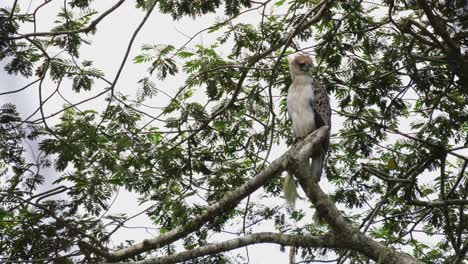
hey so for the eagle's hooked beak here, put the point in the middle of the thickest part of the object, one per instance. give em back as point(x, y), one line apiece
point(304, 67)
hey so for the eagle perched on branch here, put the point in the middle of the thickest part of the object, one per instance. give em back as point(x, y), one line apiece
point(308, 109)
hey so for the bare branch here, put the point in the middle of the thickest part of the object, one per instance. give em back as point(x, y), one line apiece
point(21, 89)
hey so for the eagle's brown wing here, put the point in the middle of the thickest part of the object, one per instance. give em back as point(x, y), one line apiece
point(321, 104)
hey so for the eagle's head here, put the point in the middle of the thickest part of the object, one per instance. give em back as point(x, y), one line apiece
point(300, 64)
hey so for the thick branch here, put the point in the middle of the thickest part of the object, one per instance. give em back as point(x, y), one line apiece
point(327, 210)
point(229, 202)
point(326, 241)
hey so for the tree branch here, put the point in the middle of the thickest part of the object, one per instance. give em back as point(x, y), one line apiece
point(438, 27)
point(439, 203)
point(425, 31)
point(419, 37)
point(462, 254)
point(384, 176)
point(326, 241)
point(87, 29)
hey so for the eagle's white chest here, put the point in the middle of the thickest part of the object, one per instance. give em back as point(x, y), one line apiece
point(300, 96)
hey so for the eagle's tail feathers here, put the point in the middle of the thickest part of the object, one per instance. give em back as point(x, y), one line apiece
point(290, 190)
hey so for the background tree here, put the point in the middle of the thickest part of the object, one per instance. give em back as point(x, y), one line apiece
point(398, 71)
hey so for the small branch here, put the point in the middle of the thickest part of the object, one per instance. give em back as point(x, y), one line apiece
point(64, 109)
point(21, 89)
point(384, 176)
point(124, 60)
point(459, 179)
point(439, 203)
point(439, 59)
point(462, 254)
point(13, 10)
point(442, 177)
point(87, 29)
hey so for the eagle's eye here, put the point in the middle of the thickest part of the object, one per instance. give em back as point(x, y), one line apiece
point(304, 66)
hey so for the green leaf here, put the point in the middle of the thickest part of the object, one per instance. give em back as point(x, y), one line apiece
point(392, 164)
point(154, 137)
point(185, 54)
point(280, 2)
point(219, 125)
